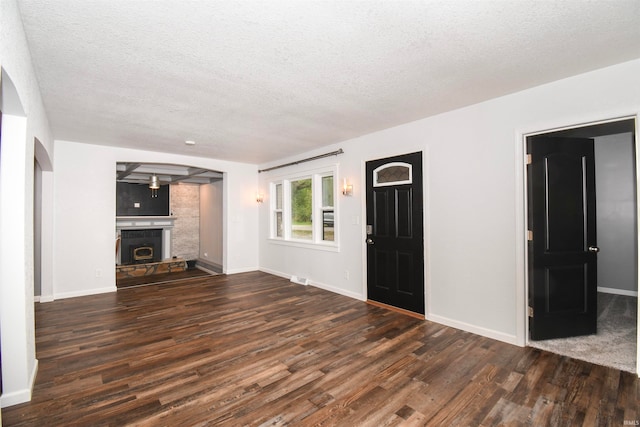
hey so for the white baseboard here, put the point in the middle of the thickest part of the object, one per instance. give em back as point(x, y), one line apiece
point(489, 333)
point(340, 291)
point(85, 292)
point(206, 270)
point(14, 398)
point(20, 396)
point(313, 283)
point(45, 298)
point(617, 291)
point(208, 266)
point(240, 270)
point(275, 273)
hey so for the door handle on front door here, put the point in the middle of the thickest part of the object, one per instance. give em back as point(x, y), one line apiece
point(369, 241)
point(594, 249)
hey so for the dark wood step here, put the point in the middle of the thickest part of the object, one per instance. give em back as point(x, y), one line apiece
point(128, 282)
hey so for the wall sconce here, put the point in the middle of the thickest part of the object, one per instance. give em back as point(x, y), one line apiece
point(259, 197)
point(347, 189)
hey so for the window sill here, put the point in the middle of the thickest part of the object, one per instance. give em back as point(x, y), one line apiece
point(328, 247)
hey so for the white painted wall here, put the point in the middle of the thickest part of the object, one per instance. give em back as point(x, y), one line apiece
point(37, 230)
point(211, 214)
point(616, 212)
point(85, 213)
point(474, 215)
point(16, 278)
point(25, 120)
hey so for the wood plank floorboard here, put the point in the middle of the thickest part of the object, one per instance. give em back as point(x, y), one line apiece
point(255, 349)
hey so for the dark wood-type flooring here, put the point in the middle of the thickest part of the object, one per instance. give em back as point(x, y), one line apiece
point(127, 282)
point(255, 349)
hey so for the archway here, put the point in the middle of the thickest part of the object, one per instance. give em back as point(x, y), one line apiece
point(17, 326)
point(42, 223)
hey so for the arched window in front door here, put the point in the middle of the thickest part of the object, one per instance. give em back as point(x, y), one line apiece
point(395, 173)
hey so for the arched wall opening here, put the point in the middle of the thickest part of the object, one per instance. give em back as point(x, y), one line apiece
point(42, 223)
point(17, 325)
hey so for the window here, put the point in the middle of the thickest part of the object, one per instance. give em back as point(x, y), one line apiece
point(303, 208)
point(279, 226)
point(392, 174)
point(328, 229)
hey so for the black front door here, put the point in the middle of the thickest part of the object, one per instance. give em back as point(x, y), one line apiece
point(395, 254)
point(562, 237)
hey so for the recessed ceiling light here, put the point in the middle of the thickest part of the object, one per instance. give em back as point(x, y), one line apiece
point(190, 142)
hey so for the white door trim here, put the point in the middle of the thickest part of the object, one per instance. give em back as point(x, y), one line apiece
point(426, 280)
point(522, 320)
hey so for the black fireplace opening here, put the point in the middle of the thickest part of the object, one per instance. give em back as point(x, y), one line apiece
point(140, 246)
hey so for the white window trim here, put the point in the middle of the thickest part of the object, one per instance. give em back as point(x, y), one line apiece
point(316, 176)
point(274, 209)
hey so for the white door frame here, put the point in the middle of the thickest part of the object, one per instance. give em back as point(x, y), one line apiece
point(522, 320)
point(426, 281)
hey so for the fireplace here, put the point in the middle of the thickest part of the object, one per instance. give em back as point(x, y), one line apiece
point(131, 230)
point(141, 246)
point(143, 253)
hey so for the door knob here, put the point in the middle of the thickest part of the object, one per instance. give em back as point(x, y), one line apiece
point(594, 249)
point(369, 242)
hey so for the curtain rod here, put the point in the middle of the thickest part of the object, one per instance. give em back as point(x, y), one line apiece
point(321, 156)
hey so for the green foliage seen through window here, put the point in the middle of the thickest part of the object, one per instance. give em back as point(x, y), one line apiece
point(301, 201)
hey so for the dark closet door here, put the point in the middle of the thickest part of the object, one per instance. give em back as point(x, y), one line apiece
point(563, 247)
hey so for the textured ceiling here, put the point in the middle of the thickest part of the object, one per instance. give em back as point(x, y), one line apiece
point(255, 81)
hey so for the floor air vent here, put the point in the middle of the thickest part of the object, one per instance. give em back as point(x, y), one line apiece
point(300, 280)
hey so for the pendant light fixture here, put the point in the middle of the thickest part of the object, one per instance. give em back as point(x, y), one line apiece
point(154, 185)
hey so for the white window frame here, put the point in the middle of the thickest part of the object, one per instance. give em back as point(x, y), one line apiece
point(316, 241)
point(275, 209)
point(317, 190)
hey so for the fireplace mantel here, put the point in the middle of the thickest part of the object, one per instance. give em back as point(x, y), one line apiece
point(147, 222)
point(140, 222)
